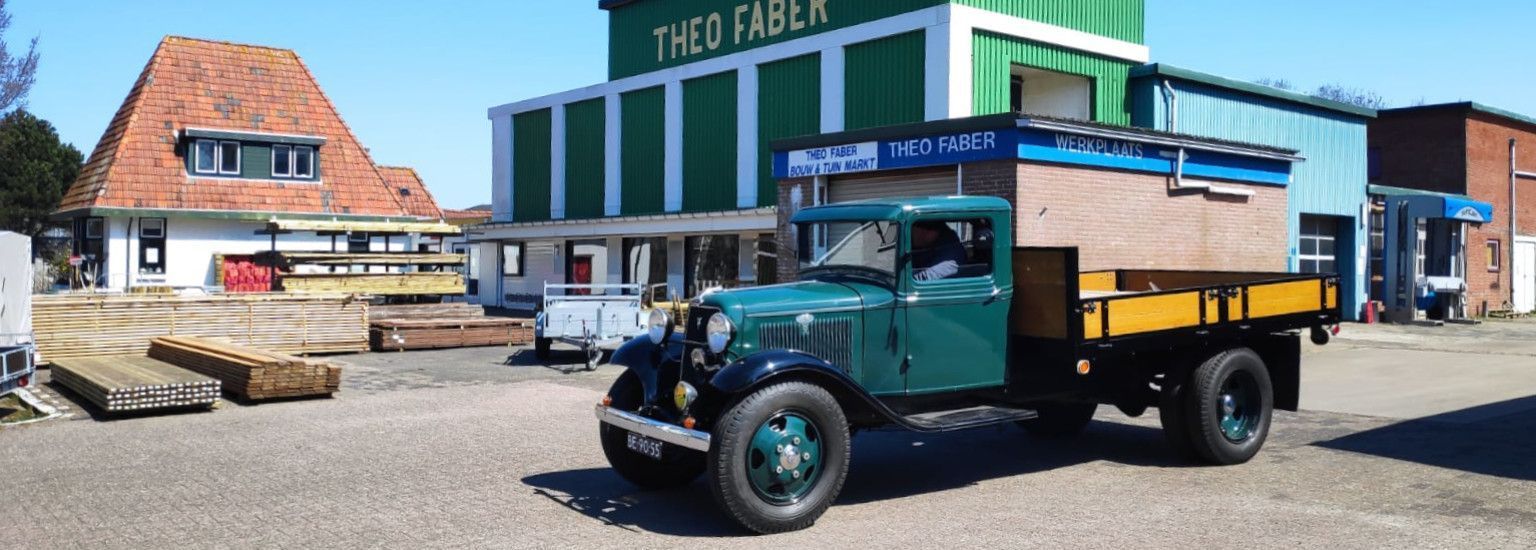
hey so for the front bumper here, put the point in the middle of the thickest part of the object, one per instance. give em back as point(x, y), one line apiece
point(654, 429)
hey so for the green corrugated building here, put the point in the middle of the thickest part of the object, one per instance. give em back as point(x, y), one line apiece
point(663, 173)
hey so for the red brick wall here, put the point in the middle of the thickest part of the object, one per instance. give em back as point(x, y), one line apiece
point(789, 191)
point(1487, 177)
point(1132, 220)
point(1420, 149)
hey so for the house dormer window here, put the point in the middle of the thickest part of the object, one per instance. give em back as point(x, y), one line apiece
point(282, 161)
point(293, 161)
point(217, 157)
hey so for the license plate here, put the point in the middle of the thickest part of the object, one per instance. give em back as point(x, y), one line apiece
point(645, 445)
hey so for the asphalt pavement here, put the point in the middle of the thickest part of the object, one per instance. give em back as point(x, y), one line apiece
point(489, 448)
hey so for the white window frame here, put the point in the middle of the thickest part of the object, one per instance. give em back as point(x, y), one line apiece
point(289, 155)
point(95, 228)
point(152, 228)
point(197, 157)
point(521, 268)
point(1317, 256)
point(1496, 261)
point(309, 167)
point(218, 157)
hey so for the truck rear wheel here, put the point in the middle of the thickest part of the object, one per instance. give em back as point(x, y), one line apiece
point(1229, 405)
point(781, 457)
point(678, 466)
point(1060, 420)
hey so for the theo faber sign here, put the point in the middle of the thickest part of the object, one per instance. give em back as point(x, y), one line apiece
point(738, 27)
point(894, 154)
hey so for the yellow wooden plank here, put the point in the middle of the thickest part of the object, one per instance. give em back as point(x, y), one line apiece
point(424, 228)
point(1141, 314)
point(1101, 281)
point(1093, 324)
point(1332, 296)
point(1273, 300)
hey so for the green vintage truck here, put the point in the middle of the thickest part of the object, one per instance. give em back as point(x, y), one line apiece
point(921, 314)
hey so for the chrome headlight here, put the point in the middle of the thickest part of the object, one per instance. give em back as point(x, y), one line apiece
point(719, 332)
point(658, 326)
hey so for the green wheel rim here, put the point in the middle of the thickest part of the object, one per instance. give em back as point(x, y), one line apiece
point(784, 459)
point(1239, 406)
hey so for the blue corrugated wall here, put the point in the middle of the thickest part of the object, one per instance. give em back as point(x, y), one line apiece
point(1332, 180)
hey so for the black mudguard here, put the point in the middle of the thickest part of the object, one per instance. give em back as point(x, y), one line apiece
point(647, 360)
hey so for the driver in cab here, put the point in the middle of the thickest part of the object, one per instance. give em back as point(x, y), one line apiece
point(936, 251)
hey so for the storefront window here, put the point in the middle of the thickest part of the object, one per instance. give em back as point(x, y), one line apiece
point(767, 259)
point(711, 261)
point(512, 260)
point(645, 261)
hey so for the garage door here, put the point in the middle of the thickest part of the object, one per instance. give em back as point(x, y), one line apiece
point(910, 184)
point(1525, 276)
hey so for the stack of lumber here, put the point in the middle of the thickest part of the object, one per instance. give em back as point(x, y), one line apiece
point(377, 284)
point(123, 384)
point(249, 373)
point(287, 260)
point(411, 334)
point(98, 325)
point(448, 310)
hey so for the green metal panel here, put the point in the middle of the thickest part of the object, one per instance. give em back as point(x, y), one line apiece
point(884, 81)
point(585, 127)
point(788, 105)
point(642, 156)
point(709, 143)
point(994, 58)
point(256, 161)
point(1118, 19)
point(640, 34)
point(531, 165)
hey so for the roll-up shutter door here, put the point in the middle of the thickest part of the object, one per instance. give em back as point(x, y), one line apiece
point(927, 183)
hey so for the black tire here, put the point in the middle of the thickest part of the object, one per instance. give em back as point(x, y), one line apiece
point(1060, 420)
point(1172, 411)
point(1235, 371)
point(677, 467)
point(730, 457)
point(541, 348)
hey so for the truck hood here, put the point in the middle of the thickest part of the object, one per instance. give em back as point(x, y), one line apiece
point(788, 299)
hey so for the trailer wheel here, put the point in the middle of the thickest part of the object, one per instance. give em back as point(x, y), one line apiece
point(541, 348)
point(781, 457)
point(1231, 403)
point(1060, 420)
point(678, 466)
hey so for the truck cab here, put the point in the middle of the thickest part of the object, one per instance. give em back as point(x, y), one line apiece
point(922, 314)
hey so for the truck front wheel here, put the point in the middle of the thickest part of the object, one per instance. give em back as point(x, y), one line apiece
point(1229, 405)
point(781, 457)
point(677, 467)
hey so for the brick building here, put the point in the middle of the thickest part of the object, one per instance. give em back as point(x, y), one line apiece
point(1119, 194)
point(1483, 153)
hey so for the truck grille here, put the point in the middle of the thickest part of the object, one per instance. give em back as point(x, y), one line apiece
point(696, 326)
point(830, 339)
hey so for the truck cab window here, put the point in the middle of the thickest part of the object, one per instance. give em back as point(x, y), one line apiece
point(951, 249)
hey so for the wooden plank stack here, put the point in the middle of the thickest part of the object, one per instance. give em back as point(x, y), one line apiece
point(249, 373)
point(376, 284)
point(103, 325)
point(449, 333)
point(287, 260)
point(128, 384)
point(446, 310)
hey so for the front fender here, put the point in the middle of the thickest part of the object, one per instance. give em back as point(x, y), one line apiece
point(750, 372)
point(646, 359)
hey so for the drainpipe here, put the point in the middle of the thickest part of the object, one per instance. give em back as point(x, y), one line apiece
point(1173, 106)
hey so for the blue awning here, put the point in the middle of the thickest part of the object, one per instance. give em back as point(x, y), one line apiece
point(1468, 210)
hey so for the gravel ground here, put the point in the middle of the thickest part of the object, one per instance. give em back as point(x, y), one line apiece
point(459, 449)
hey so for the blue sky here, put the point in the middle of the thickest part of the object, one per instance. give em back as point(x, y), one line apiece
point(414, 79)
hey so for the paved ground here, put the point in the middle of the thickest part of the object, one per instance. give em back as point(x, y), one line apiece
point(457, 449)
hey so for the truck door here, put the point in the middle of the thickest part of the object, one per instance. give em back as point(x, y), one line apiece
point(956, 311)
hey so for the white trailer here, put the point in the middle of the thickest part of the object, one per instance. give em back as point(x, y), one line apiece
point(16, 350)
point(588, 317)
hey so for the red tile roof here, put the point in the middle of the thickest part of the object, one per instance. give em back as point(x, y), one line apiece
point(407, 185)
point(192, 83)
point(466, 215)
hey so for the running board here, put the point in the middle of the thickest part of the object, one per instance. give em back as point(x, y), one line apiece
point(961, 419)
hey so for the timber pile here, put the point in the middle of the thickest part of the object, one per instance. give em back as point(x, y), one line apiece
point(249, 373)
point(448, 310)
point(123, 384)
point(99, 325)
point(287, 260)
point(409, 334)
point(377, 284)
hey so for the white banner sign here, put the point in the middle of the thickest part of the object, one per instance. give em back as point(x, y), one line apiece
point(840, 159)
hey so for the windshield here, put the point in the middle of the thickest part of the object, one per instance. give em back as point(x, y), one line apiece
point(856, 244)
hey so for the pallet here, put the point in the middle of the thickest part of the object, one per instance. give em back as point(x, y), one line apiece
point(126, 384)
point(450, 333)
point(249, 373)
point(100, 325)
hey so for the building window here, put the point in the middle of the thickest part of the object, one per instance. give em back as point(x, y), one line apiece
point(645, 263)
point(1319, 244)
point(303, 161)
point(152, 246)
point(282, 161)
point(358, 243)
point(767, 259)
point(216, 157)
point(1494, 257)
point(229, 158)
point(1049, 93)
point(512, 259)
point(710, 261)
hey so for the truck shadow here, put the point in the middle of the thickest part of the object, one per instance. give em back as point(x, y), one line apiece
point(1498, 439)
point(886, 465)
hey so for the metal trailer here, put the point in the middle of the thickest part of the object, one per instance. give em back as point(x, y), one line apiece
point(17, 363)
point(588, 317)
